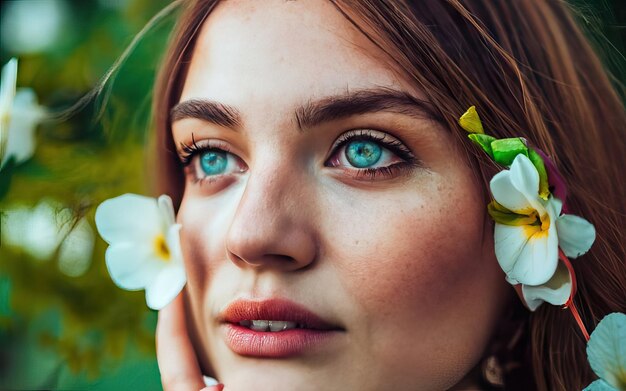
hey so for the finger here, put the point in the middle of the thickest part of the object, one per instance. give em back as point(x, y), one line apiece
point(175, 355)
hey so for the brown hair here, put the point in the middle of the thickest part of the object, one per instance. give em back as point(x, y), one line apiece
point(531, 72)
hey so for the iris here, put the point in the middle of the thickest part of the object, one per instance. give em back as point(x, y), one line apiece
point(363, 153)
point(213, 162)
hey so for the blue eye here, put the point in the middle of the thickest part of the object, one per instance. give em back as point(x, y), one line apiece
point(213, 162)
point(369, 154)
point(210, 162)
point(363, 153)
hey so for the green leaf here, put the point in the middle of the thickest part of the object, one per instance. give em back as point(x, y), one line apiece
point(537, 161)
point(606, 350)
point(484, 141)
point(505, 150)
point(470, 121)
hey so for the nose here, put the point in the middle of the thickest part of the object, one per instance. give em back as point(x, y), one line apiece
point(273, 225)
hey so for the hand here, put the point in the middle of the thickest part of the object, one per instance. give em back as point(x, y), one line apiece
point(175, 354)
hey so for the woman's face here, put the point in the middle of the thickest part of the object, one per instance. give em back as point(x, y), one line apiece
point(315, 181)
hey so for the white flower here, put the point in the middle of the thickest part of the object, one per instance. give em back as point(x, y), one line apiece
point(76, 251)
point(40, 231)
point(7, 92)
point(37, 231)
point(556, 291)
point(144, 251)
point(33, 26)
point(19, 116)
point(606, 351)
point(529, 232)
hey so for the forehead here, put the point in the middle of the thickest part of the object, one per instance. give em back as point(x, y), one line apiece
point(282, 52)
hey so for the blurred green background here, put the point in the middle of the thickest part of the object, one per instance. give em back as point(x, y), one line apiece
point(63, 323)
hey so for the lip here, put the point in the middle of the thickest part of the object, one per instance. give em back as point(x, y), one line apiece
point(314, 334)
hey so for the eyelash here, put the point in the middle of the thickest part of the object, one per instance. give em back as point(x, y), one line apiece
point(409, 161)
point(391, 143)
point(189, 151)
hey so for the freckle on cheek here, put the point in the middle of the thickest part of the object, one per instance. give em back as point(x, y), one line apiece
point(422, 280)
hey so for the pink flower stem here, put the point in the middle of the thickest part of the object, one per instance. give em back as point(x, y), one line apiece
point(570, 302)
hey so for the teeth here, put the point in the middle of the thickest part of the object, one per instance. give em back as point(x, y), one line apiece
point(260, 325)
point(277, 325)
point(268, 325)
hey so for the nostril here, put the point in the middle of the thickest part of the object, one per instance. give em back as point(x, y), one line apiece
point(236, 258)
point(281, 258)
point(281, 261)
point(266, 260)
point(278, 244)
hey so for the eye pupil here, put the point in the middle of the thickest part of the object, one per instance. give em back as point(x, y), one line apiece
point(213, 162)
point(363, 153)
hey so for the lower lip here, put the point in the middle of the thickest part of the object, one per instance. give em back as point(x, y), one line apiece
point(281, 344)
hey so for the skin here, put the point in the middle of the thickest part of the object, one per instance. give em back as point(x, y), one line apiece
point(404, 263)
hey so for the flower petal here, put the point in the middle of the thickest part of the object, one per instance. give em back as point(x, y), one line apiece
point(507, 195)
point(18, 218)
point(132, 266)
point(47, 225)
point(129, 218)
point(526, 254)
point(76, 251)
point(7, 87)
point(556, 204)
point(576, 235)
point(509, 242)
point(525, 179)
point(25, 116)
point(538, 260)
point(599, 385)
point(173, 243)
point(606, 350)
point(166, 208)
point(470, 121)
point(556, 291)
point(165, 287)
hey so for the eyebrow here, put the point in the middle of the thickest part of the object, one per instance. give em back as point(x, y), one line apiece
point(207, 110)
point(362, 102)
point(316, 112)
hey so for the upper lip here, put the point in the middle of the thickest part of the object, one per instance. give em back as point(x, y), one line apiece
point(274, 309)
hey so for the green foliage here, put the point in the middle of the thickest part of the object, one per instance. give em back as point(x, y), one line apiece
point(59, 331)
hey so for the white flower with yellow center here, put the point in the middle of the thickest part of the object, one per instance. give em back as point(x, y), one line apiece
point(144, 246)
point(19, 116)
point(529, 231)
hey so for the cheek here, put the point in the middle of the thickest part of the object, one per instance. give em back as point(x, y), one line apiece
point(423, 273)
point(205, 225)
point(420, 257)
point(196, 248)
point(419, 251)
point(202, 241)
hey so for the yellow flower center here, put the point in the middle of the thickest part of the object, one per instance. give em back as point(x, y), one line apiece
point(161, 249)
point(539, 228)
point(545, 222)
point(535, 226)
